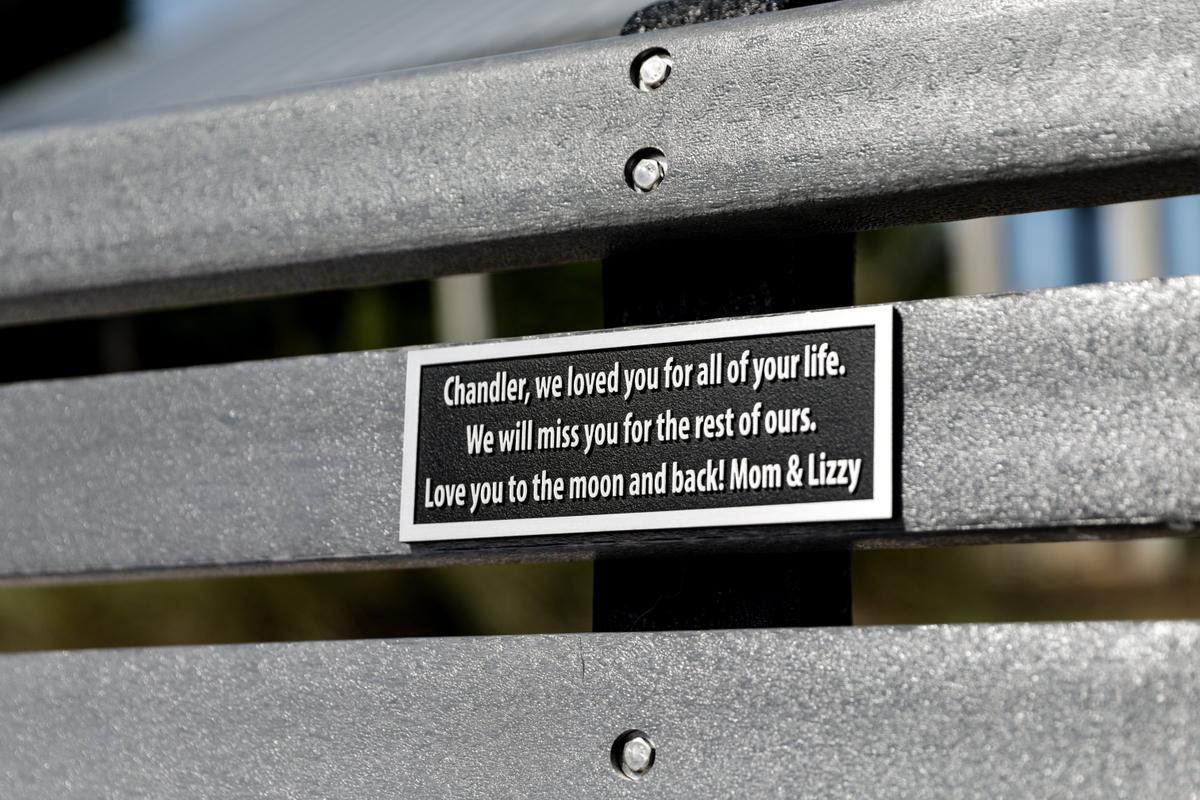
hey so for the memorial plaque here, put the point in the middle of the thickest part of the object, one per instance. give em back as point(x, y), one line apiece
point(754, 421)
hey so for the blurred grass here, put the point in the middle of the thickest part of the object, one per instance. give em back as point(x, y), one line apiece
point(1029, 582)
point(475, 600)
point(554, 300)
point(901, 264)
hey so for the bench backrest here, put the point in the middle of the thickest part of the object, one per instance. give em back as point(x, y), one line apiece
point(1052, 415)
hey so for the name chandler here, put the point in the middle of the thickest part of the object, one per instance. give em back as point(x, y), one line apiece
point(501, 388)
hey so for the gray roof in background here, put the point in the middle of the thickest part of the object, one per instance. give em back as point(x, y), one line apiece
point(275, 45)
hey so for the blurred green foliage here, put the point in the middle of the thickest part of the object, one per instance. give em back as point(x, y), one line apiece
point(1146, 579)
point(901, 264)
point(494, 599)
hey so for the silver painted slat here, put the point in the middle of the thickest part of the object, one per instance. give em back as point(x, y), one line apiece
point(1077, 710)
point(1057, 414)
point(837, 117)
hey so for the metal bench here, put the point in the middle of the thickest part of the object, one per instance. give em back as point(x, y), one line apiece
point(1051, 415)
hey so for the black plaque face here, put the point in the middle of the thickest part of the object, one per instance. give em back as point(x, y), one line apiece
point(755, 421)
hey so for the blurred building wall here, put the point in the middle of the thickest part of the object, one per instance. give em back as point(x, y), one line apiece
point(1130, 241)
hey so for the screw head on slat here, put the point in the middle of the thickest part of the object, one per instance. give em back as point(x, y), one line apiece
point(654, 71)
point(637, 755)
point(633, 754)
point(646, 169)
point(651, 69)
point(647, 174)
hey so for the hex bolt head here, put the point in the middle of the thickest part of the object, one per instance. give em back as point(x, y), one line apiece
point(637, 755)
point(647, 174)
point(654, 71)
point(633, 754)
point(651, 69)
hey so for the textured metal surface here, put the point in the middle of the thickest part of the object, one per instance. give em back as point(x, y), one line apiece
point(1078, 405)
point(1073, 412)
point(830, 118)
point(1065, 711)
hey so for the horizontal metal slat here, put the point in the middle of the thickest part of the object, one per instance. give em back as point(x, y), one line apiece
point(838, 117)
point(1077, 710)
point(1057, 414)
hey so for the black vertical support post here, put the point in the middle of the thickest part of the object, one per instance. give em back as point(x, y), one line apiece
point(703, 278)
